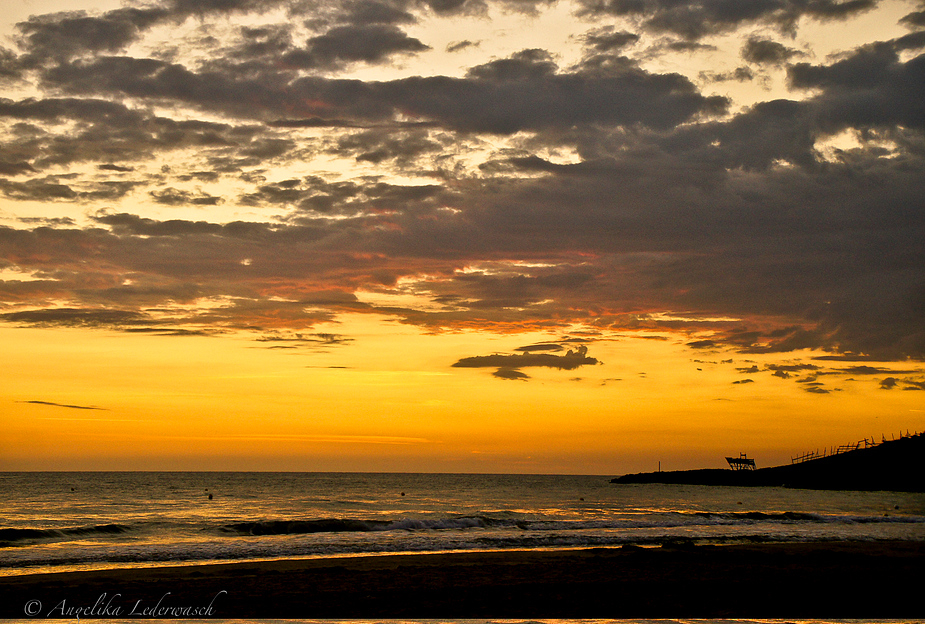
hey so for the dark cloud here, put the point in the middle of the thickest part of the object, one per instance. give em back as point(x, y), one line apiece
point(916, 19)
point(50, 189)
point(766, 52)
point(870, 88)
point(48, 221)
point(138, 226)
point(540, 347)
point(571, 360)
point(504, 96)
point(52, 404)
point(524, 65)
point(609, 40)
point(160, 331)
point(305, 339)
point(376, 146)
point(791, 368)
point(40, 190)
point(15, 168)
point(369, 43)
point(61, 36)
point(457, 7)
point(510, 373)
point(76, 317)
point(459, 46)
point(889, 383)
point(175, 197)
point(866, 370)
point(668, 199)
point(694, 20)
point(11, 66)
point(685, 46)
point(370, 12)
point(703, 344)
point(739, 74)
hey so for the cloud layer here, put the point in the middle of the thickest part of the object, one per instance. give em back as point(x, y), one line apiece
point(524, 192)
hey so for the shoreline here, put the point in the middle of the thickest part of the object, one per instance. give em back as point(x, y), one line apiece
point(769, 580)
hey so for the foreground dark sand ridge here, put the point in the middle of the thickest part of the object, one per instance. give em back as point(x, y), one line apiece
point(830, 580)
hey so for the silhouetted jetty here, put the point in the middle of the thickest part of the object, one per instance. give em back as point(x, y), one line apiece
point(892, 465)
point(742, 462)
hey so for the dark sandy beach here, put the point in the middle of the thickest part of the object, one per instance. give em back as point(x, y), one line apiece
point(826, 580)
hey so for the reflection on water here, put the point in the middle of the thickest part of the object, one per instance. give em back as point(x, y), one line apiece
point(84, 520)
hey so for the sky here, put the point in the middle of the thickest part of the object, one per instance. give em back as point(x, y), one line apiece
point(490, 236)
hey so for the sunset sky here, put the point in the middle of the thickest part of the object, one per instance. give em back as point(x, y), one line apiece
point(458, 235)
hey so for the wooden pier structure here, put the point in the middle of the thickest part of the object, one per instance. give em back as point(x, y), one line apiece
point(742, 462)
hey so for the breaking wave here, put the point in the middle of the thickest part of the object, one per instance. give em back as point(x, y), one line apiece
point(13, 536)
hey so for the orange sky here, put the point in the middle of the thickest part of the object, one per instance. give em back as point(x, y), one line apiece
point(391, 401)
point(464, 236)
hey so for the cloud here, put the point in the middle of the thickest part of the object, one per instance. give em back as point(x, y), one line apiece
point(77, 407)
point(369, 43)
point(889, 383)
point(520, 192)
point(739, 74)
point(766, 52)
point(711, 17)
point(459, 46)
point(540, 347)
point(703, 344)
point(64, 35)
point(174, 197)
point(510, 373)
point(318, 339)
point(370, 12)
point(503, 96)
point(608, 40)
point(75, 317)
point(868, 370)
point(916, 19)
point(508, 365)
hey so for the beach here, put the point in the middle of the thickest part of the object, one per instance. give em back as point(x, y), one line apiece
point(771, 580)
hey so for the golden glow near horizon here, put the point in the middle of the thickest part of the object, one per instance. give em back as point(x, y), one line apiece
point(396, 235)
point(389, 401)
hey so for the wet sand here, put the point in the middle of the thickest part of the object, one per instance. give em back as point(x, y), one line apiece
point(821, 580)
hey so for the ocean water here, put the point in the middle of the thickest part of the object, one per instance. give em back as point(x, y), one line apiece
point(89, 520)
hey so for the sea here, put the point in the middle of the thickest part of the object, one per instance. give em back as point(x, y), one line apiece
point(68, 521)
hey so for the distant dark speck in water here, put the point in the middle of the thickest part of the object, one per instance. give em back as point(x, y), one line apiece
point(581, 498)
point(739, 503)
point(402, 493)
point(210, 497)
point(895, 506)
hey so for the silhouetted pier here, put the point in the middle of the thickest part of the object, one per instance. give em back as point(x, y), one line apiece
point(742, 462)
